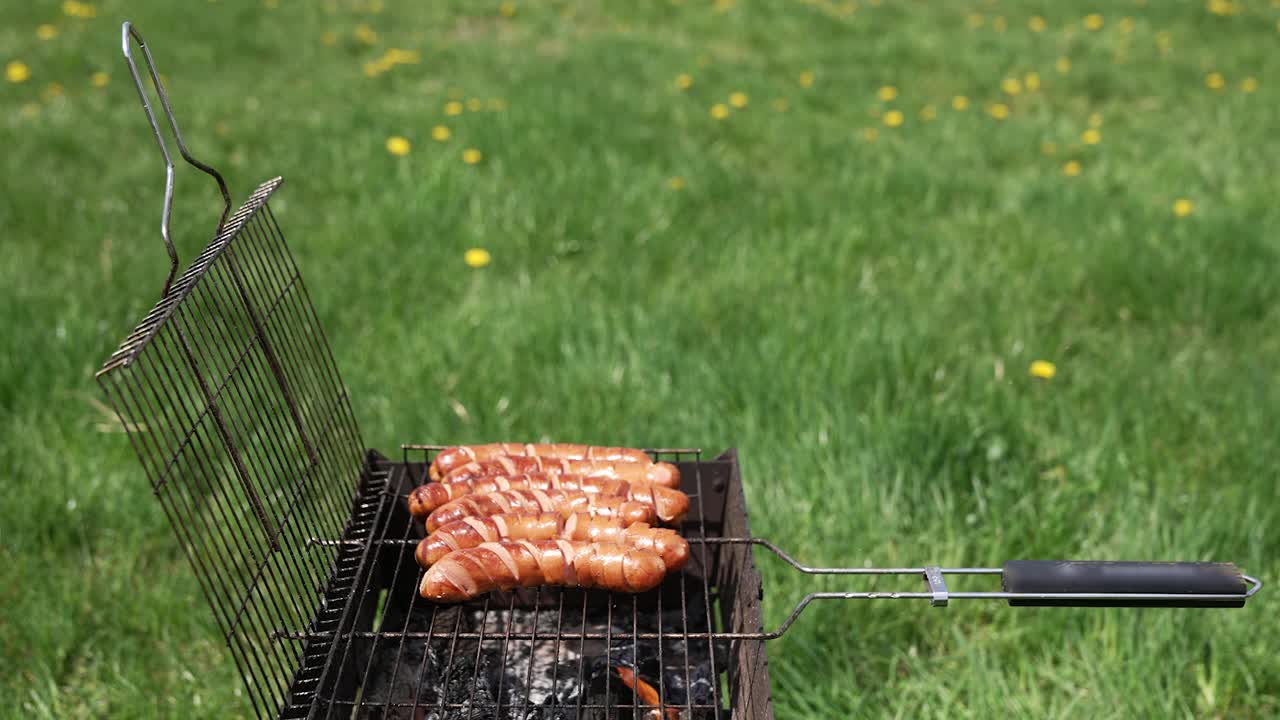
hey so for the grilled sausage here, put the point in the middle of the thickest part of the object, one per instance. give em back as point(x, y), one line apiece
point(466, 574)
point(453, 457)
point(527, 502)
point(472, 531)
point(664, 474)
point(669, 505)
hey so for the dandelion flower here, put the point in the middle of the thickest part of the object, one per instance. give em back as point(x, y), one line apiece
point(81, 10)
point(398, 146)
point(1011, 86)
point(17, 71)
point(684, 81)
point(46, 31)
point(870, 134)
point(974, 20)
point(365, 34)
point(1037, 24)
point(1095, 120)
point(477, 257)
point(928, 112)
point(453, 107)
point(999, 24)
point(1043, 369)
point(1063, 65)
point(719, 111)
point(99, 79)
point(1249, 84)
point(1126, 25)
point(1215, 81)
point(471, 156)
point(894, 118)
point(806, 78)
point(676, 183)
point(1071, 168)
point(1093, 21)
point(51, 91)
point(1091, 136)
point(1183, 207)
point(440, 133)
point(1032, 81)
point(738, 99)
point(329, 38)
point(888, 93)
point(1164, 39)
point(508, 9)
point(475, 105)
point(960, 102)
point(999, 111)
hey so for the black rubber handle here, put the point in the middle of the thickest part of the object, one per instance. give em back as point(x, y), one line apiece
point(1074, 576)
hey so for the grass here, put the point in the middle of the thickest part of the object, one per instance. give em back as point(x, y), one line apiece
point(855, 306)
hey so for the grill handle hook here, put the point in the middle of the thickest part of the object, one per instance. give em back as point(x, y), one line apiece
point(127, 33)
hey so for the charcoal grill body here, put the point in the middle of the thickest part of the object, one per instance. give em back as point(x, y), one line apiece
point(301, 541)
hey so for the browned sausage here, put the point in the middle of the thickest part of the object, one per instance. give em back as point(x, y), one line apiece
point(525, 502)
point(664, 474)
point(472, 531)
point(459, 455)
point(670, 505)
point(465, 574)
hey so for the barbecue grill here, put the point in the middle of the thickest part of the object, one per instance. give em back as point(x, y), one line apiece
point(301, 541)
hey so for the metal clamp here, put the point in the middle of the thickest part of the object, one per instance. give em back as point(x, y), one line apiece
point(937, 586)
point(127, 31)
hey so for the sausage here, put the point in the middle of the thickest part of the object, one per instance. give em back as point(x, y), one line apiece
point(459, 455)
point(664, 474)
point(540, 501)
point(669, 505)
point(470, 532)
point(466, 574)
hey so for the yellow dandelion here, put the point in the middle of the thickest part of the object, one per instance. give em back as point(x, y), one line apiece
point(960, 102)
point(30, 110)
point(1215, 81)
point(888, 93)
point(51, 91)
point(1222, 8)
point(1126, 25)
point(928, 112)
point(676, 183)
point(1043, 369)
point(973, 20)
point(271, 4)
point(1091, 136)
point(507, 9)
point(1093, 21)
point(453, 107)
point(329, 38)
point(365, 34)
point(1095, 120)
point(999, 111)
point(1037, 24)
point(1011, 86)
point(894, 118)
point(870, 134)
point(1063, 65)
point(17, 71)
point(719, 111)
point(440, 133)
point(1032, 81)
point(1164, 39)
point(398, 146)
point(99, 79)
point(1183, 207)
point(738, 99)
point(723, 5)
point(1049, 147)
point(684, 81)
point(475, 105)
point(46, 31)
point(477, 257)
point(471, 156)
point(1071, 168)
point(1249, 84)
point(999, 24)
point(84, 11)
point(806, 78)
point(781, 104)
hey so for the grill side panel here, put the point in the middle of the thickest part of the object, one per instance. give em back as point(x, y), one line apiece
point(231, 398)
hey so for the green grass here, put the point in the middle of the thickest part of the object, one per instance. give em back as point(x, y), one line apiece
point(857, 316)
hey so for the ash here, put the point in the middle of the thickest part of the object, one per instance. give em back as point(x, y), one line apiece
point(504, 678)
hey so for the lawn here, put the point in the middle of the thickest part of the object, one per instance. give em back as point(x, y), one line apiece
point(834, 235)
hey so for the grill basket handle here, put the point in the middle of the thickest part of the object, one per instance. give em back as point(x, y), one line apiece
point(1122, 584)
point(129, 33)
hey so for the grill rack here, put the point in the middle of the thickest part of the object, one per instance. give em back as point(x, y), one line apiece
point(230, 395)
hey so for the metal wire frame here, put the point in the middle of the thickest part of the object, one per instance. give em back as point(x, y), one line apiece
point(360, 653)
point(234, 405)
